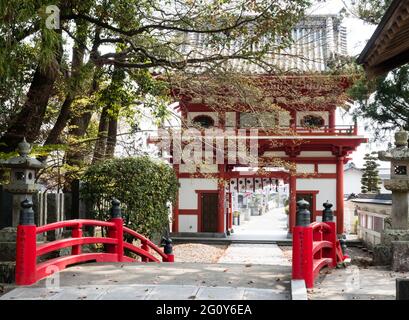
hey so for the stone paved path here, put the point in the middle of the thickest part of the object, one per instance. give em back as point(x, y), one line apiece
point(173, 281)
point(353, 283)
point(272, 225)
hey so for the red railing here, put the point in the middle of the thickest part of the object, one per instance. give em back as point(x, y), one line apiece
point(314, 247)
point(327, 131)
point(28, 271)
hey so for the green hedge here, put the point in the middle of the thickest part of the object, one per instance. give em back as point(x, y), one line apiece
point(144, 186)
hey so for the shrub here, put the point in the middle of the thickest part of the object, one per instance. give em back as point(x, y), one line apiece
point(144, 186)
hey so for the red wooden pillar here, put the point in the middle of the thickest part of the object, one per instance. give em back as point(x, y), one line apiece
point(293, 119)
point(292, 204)
point(332, 120)
point(175, 209)
point(230, 212)
point(76, 233)
point(340, 195)
point(221, 198)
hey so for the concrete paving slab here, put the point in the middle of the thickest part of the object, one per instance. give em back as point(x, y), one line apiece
point(30, 293)
point(172, 292)
point(220, 293)
point(265, 294)
point(78, 293)
point(126, 292)
point(298, 290)
point(143, 292)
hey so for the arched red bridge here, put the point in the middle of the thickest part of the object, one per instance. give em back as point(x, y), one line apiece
point(315, 246)
point(29, 271)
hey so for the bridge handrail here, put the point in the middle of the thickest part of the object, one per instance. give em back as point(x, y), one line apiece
point(74, 223)
point(29, 271)
point(146, 242)
point(320, 225)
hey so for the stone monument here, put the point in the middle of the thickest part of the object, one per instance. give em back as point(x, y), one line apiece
point(394, 247)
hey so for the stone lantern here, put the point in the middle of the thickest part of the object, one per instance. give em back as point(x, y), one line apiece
point(394, 247)
point(22, 186)
point(22, 178)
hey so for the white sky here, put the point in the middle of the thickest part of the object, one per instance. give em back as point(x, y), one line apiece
point(358, 33)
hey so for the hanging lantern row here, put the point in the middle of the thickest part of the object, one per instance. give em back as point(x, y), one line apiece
point(252, 184)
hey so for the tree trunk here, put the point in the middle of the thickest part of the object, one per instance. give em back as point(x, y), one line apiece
point(111, 139)
point(100, 145)
point(61, 123)
point(28, 121)
point(78, 52)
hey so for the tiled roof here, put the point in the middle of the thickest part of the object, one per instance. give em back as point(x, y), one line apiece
point(316, 41)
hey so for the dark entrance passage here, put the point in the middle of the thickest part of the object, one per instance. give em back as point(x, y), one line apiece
point(209, 209)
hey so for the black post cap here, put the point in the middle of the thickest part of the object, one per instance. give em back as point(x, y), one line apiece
point(167, 248)
point(327, 214)
point(26, 212)
point(303, 215)
point(116, 209)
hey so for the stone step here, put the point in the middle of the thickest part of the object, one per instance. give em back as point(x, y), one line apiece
point(145, 292)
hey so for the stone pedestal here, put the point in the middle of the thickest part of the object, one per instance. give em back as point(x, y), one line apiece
point(7, 254)
point(394, 245)
point(400, 256)
point(8, 238)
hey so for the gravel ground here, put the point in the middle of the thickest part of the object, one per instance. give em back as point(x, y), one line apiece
point(200, 253)
point(287, 252)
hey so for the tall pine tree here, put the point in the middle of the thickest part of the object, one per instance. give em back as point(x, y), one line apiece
point(370, 180)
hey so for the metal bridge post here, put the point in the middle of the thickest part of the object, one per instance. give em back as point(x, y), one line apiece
point(26, 245)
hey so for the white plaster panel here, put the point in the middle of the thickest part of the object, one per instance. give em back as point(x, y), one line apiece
point(209, 168)
point(310, 154)
point(327, 168)
point(305, 167)
point(187, 168)
point(187, 191)
point(326, 188)
point(187, 223)
point(230, 119)
point(284, 118)
point(192, 115)
point(352, 181)
point(323, 114)
point(274, 154)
